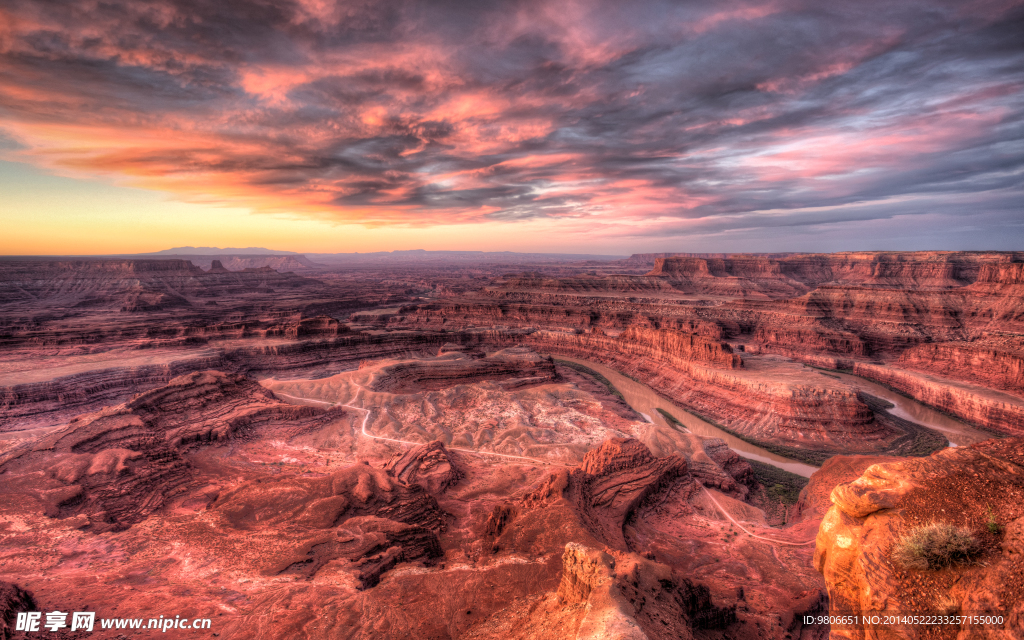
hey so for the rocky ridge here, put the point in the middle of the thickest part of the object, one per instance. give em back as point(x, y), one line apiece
point(112, 469)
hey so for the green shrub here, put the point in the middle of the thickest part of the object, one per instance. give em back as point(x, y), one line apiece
point(781, 485)
point(993, 524)
point(672, 420)
point(935, 546)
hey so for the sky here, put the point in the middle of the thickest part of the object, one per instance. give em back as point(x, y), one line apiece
point(581, 126)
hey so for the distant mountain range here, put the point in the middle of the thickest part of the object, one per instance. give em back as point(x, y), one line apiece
point(479, 257)
point(251, 256)
point(217, 251)
point(236, 258)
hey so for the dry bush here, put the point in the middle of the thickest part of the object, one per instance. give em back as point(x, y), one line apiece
point(935, 546)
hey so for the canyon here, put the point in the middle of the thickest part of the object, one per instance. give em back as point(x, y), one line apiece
point(664, 446)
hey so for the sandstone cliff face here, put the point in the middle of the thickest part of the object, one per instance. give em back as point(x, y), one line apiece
point(873, 321)
point(513, 367)
point(739, 277)
point(995, 299)
point(795, 274)
point(993, 410)
point(994, 363)
point(672, 348)
point(783, 405)
point(915, 270)
point(971, 486)
point(1005, 274)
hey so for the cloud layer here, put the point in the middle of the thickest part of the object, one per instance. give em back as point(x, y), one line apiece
point(651, 118)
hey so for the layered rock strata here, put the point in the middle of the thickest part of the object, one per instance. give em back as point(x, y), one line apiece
point(993, 363)
point(999, 412)
point(358, 514)
point(429, 465)
point(112, 469)
point(613, 481)
point(610, 484)
point(784, 405)
point(513, 367)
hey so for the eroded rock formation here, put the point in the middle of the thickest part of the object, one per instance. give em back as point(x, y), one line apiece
point(431, 465)
point(610, 485)
point(13, 599)
point(513, 367)
point(112, 469)
point(980, 487)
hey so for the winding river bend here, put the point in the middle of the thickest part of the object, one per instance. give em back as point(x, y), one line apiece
point(646, 401)
point(958, 433)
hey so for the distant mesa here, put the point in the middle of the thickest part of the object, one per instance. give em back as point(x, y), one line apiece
point(213, 251)
point(511, 368)
point(241, 262)
point(135, 285)
point(454, 257)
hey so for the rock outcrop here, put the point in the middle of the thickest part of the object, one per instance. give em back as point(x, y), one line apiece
point(323, 502)
point(512, 368)
point(612, 596)
point(980, 487)
point(13, 599)
point(114, 468)
point(611, 484)
point(588, 582)
point(430, 465)
point(358, 514)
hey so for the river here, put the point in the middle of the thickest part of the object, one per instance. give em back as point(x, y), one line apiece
point(958, 433)
point(646, 402)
